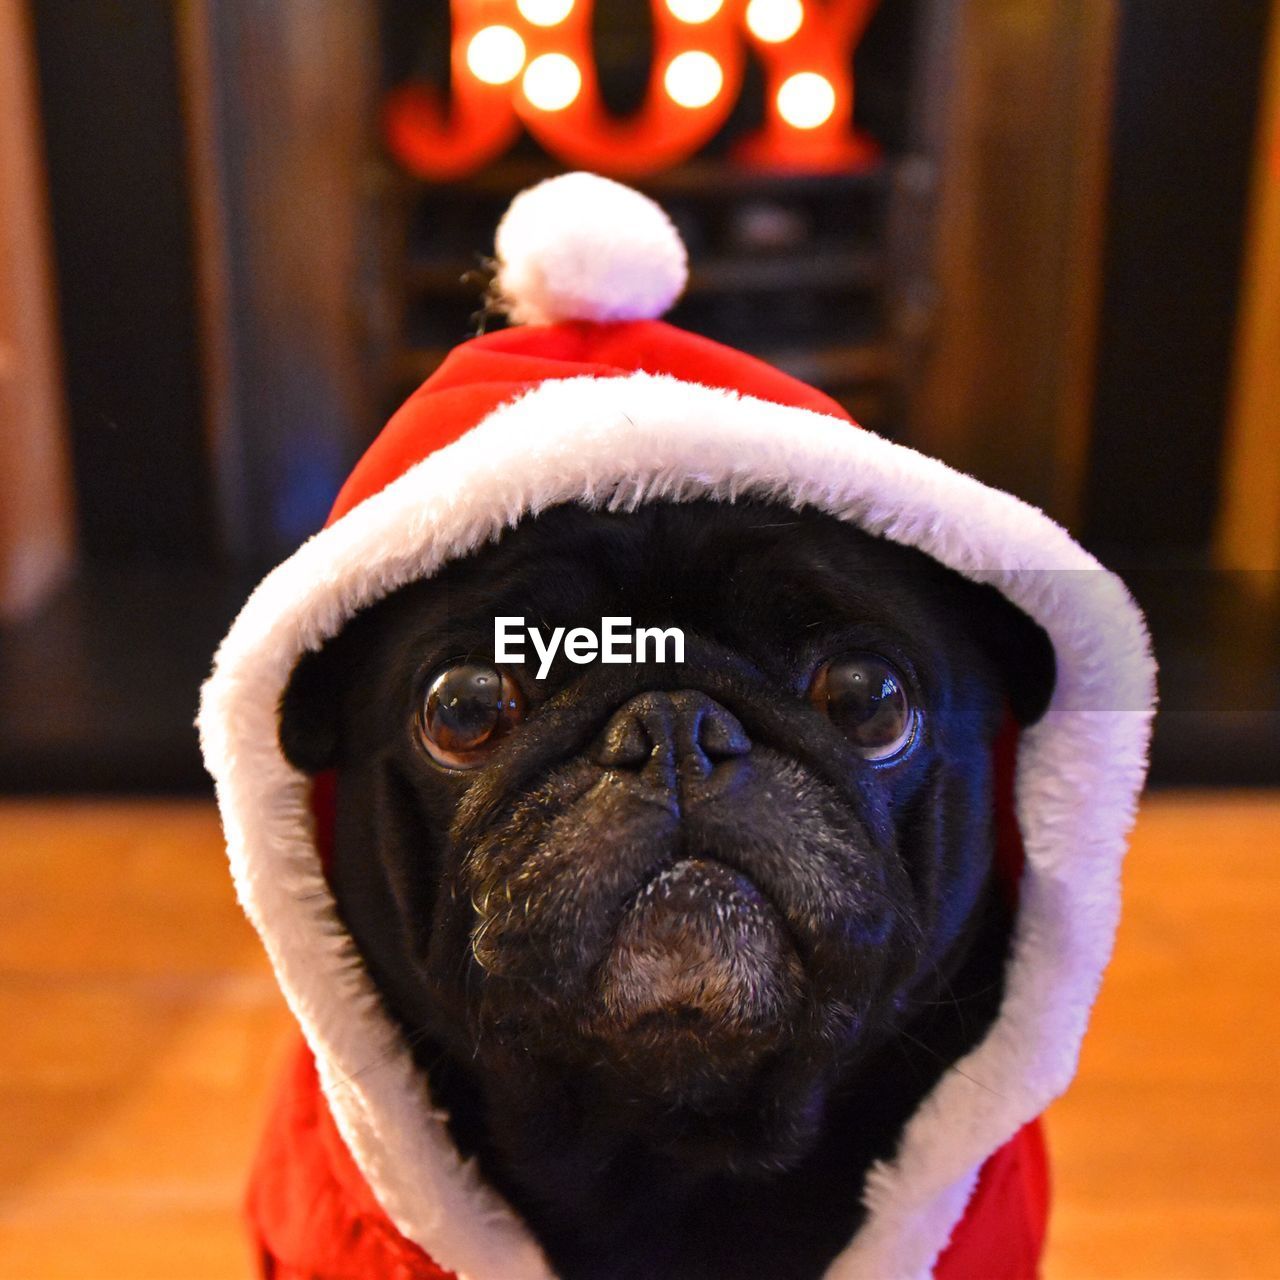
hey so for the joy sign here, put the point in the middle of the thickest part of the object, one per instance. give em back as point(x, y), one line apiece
point(531, 62)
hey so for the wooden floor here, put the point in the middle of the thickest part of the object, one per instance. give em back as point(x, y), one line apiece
point(140, 1029)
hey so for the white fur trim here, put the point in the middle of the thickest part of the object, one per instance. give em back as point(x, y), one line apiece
point(617, 443)
point(580, 247)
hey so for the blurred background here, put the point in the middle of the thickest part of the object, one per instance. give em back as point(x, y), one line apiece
point(1039, 239)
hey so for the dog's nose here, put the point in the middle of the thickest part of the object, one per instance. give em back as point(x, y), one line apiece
point(688, 731)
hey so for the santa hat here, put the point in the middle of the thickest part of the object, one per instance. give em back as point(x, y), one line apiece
point(594, 400)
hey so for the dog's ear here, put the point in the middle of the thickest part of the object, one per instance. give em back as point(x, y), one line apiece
point(311, 711)
point(1022, 653)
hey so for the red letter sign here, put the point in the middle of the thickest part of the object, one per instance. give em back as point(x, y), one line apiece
point(532, 60)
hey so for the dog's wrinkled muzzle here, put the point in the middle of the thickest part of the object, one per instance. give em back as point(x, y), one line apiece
point(700, 955)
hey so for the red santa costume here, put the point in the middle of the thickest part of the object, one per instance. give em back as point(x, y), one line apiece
point(594, 400)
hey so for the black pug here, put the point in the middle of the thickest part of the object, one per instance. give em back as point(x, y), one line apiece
point(681, 945)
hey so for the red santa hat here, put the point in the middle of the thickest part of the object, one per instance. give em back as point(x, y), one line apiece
point(594, 400)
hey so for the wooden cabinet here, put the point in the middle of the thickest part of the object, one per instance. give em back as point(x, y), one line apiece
point(35, 501)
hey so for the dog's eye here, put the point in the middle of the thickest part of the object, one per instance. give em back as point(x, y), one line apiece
point(466, 712)
point(866, 697)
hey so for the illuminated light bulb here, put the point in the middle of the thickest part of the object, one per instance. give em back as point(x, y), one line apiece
point(806, 100)
point(544, 13)
point(694, 11)
point(774, 21)
point(551, 82)
point(693, 79)
point(495, 55)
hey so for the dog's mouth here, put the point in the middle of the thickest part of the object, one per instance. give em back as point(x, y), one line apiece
point(700, 957)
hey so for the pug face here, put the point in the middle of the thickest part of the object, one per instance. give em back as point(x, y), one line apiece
point(689, 915)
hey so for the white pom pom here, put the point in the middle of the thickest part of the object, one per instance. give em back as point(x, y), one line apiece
point(579, 247)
